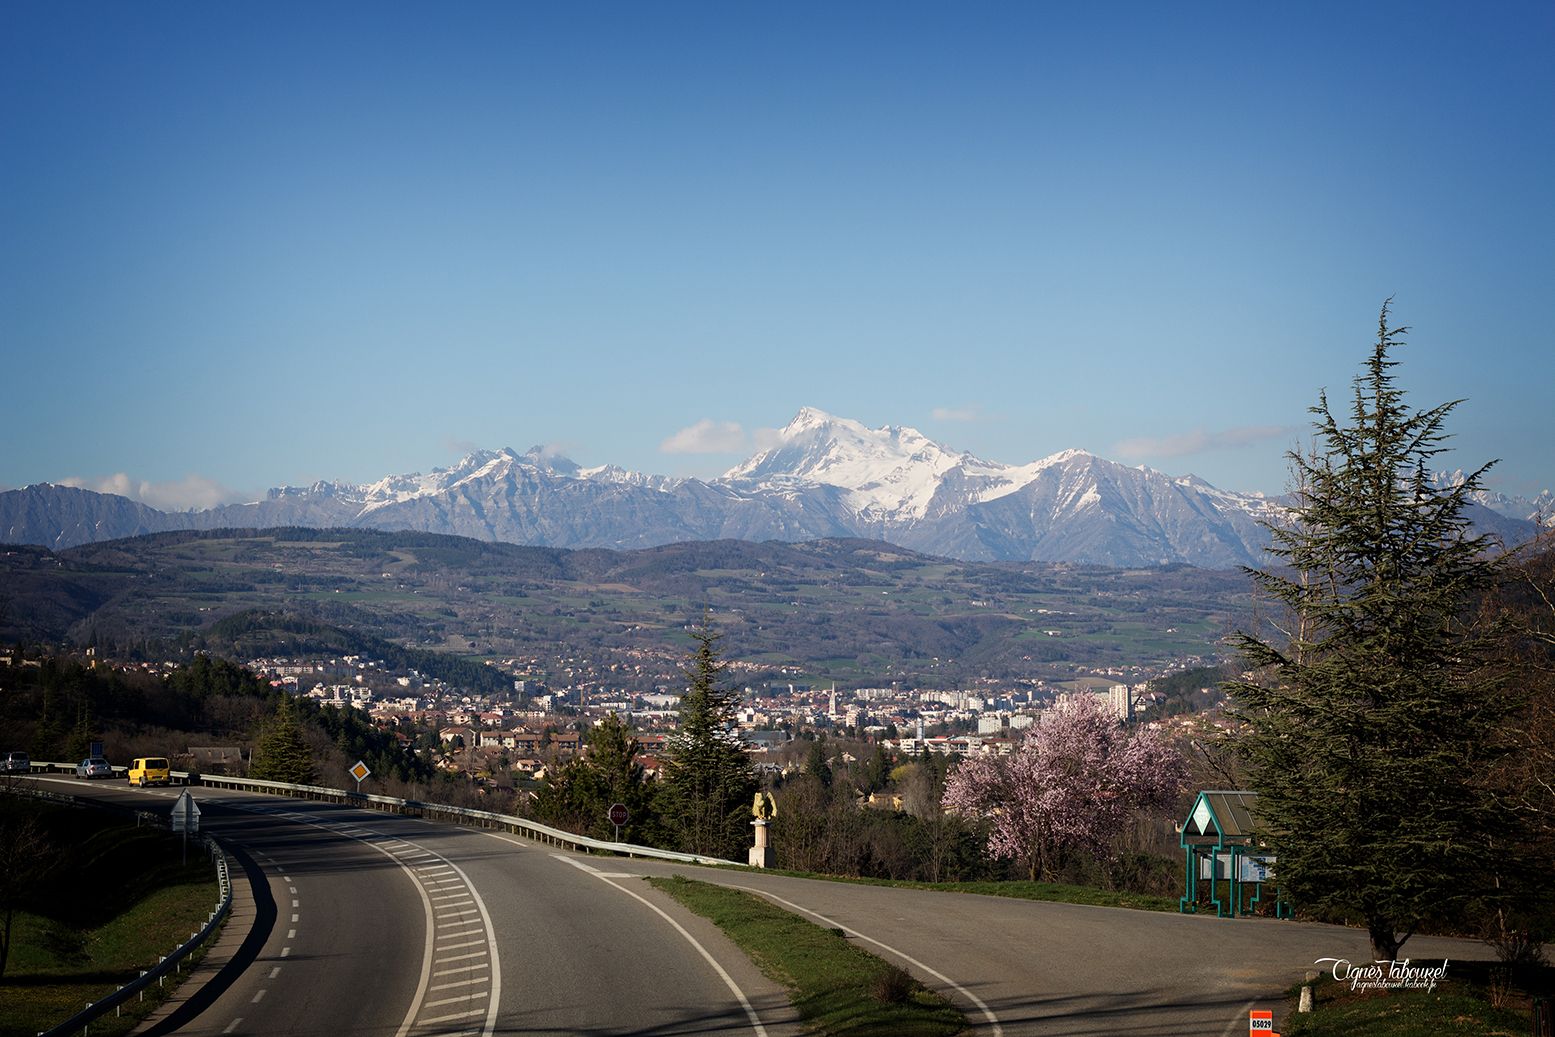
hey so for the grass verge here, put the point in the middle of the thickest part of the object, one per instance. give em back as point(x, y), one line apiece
point(1018, 889)
point(1455, 1007)
point(104, 901)
point(836, 987)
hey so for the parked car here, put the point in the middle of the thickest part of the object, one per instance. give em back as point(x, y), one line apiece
point(94, 767)
point(16, 762)
point(150, 770)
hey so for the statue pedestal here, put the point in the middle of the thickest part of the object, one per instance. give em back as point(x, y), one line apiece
point(761, 853)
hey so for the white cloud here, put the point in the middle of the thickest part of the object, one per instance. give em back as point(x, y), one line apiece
point(190, 492)
point(1199, 441)
point(707, 437)
point(955, 414)
point(766, 438)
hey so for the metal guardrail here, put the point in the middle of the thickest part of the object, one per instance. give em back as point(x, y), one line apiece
point(456, 815)
point(81, 1019)
point(415, 808)
point(56, 767)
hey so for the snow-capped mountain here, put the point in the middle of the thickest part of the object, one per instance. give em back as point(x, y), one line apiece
point(1539, 509)
point(824, 476)
point(887, 475)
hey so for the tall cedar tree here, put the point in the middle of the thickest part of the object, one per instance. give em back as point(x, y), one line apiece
point(708, 780)
point(281, 754)
point(1368, 721)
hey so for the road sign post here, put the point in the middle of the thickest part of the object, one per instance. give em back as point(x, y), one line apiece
point(186, 818)
point(359, 771)
point(618, 816)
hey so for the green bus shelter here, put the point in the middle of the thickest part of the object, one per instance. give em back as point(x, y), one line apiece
point(1220, 845)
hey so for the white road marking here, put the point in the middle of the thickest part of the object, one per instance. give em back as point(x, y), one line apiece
point(475, 996)
point(729, 982)
point(275, 972)
point(1236, 1025)
point(291, 934)
point(233, 1025)
point(460, 957)
point(459, 983)
point(257, 998)
point(993, 1020)
point(451, 1018)
point(461, 968)
point(461, 918)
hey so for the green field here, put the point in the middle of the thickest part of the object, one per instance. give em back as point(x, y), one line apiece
point(850, 611)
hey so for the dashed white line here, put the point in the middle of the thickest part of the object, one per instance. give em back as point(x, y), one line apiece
point(257, 998)
point(233, 1025)
point(275, 972)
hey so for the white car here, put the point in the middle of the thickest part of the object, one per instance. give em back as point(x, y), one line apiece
point(15, 762)
point(94, 767)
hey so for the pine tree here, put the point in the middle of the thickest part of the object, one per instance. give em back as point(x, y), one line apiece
point(708, 780)
point(281, 754)
point(1367, 721)
point(579, 797)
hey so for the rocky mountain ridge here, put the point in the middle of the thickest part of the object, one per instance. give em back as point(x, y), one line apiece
point(825, 476)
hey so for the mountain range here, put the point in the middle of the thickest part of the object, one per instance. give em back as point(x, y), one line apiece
point(825, 476)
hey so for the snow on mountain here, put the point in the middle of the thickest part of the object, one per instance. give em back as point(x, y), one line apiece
point(889, 473)
point(826, 476)
point(395, 488)
point(1539, 509)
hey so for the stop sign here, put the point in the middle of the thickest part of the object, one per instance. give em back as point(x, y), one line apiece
point(618, 813)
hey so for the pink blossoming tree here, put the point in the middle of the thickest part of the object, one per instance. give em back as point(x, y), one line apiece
point(1070, 786)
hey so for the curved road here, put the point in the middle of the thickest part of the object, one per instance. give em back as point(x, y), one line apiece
point(374, 924)
point(404, 928)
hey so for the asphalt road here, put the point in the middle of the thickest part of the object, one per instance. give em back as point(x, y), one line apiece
point(373, 924)
point(394, 926)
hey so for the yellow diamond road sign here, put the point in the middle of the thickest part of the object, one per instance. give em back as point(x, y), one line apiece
point(360, 771)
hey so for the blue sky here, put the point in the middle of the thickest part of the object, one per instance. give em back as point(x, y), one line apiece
point(245, 245)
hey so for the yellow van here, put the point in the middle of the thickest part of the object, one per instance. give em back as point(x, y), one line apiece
point(150, 770)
